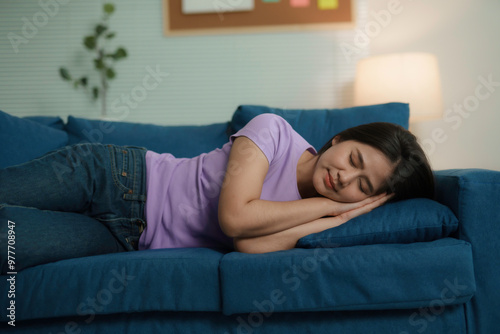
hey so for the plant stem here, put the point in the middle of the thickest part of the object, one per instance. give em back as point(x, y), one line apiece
point(104, 85)
point(103, 93)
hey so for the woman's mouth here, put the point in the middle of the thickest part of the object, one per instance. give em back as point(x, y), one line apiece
point(329, 182)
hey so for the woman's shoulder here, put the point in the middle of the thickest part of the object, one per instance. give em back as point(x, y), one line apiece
point(269, 117)
point(268, 121)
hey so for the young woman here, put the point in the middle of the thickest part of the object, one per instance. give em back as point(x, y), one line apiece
point(356, 171)
point(261, 192)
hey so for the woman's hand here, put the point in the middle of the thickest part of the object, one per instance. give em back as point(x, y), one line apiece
point(338, 208)
point(347, 211)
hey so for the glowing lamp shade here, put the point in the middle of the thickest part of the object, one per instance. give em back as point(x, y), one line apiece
point(404, 77)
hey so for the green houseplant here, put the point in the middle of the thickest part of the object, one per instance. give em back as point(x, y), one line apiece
point(104, 60)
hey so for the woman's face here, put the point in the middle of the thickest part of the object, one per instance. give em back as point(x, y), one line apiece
point(350, 171)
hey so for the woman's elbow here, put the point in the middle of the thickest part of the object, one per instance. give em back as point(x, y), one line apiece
point(245, 245)
point(228, 227)
point(258, 246)
point(230, 224)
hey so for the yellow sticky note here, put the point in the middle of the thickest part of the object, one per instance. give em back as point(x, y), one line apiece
point(328, 4)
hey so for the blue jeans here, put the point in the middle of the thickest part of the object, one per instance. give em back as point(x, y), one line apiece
point(50, 200)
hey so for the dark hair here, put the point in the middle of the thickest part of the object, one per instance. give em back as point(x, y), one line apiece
point(412, 176)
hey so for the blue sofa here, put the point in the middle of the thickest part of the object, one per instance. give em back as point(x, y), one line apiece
point(416, 266)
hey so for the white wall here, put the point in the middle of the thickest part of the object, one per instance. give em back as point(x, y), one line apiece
point(463, 34)
point(208, 76)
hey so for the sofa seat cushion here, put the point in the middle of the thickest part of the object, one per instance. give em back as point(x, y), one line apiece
point(318, 126)
point(413, 220)
point(23, 139)
point(183, 141)
point(371, 277)
point(184, 279)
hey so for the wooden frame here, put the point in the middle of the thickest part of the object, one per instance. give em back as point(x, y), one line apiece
point(266, 17)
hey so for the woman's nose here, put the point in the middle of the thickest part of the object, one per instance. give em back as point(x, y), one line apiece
point(345, 177)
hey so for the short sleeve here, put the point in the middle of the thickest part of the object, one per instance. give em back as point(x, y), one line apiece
point(271, 133)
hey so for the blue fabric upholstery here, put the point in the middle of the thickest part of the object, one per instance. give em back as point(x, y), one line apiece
point(435, 320)
point(318, 126)
point(413, 220)
point(23, 140)
point(167, 280)
point(50, 121)
point(473, 195)
point(181, 141)
point(349, 278)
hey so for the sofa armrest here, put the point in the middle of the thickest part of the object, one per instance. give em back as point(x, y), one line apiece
point(474, 196)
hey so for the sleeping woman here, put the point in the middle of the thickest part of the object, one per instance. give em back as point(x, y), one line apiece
point(261, 192)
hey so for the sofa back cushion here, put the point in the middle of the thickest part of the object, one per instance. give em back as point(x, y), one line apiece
point(318, 126)
point(181, 141)
point(24, 139)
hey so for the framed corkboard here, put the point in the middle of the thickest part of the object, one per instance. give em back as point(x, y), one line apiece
point(264, 16)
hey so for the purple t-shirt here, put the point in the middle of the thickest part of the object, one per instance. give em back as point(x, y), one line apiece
point(183, 194)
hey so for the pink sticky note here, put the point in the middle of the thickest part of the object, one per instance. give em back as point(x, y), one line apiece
point(300, 3)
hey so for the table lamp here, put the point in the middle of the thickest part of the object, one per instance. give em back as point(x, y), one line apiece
point(401, 77)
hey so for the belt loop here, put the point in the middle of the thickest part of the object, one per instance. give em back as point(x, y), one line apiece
point(134, 197)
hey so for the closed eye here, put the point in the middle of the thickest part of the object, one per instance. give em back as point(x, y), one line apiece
point(361, 187)
point(351, 161)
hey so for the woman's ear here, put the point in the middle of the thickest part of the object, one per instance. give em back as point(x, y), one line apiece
point(335, 140)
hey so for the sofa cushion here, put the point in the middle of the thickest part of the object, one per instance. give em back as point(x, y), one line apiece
point(317, 126)
point(55, 122)
point(407, 221)
point(473, 194)
point(370, 277)
point(181, 141)
point(184, 279)
point(24, 139)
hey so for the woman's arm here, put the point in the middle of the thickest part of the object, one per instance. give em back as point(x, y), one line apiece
point(243, 214)
point(287, 239)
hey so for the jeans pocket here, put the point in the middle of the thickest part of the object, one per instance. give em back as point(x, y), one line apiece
point(120, 168)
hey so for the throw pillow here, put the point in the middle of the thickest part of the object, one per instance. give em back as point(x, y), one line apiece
point(413, 220)
point(50, 121)
point(23, 140)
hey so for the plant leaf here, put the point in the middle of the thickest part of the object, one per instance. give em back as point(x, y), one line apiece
point(99, 29)
point(120, 53)
point(89, 42)
point(83, 81)
point(110, 35)
point(95, 93)
point(109, 8)
point(64, 74)
point(110, 73)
